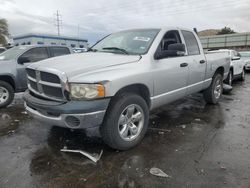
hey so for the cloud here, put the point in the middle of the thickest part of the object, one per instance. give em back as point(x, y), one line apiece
point(95, 19)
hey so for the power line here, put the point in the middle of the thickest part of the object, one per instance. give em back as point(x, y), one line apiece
point(58, 22)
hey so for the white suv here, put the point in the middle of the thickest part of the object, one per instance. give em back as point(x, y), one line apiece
point(237, 66)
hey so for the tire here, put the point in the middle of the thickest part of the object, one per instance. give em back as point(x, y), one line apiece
point(229, 79)
point(118, 120)
point(243, 74)
point(213, 93)
point(6, 94)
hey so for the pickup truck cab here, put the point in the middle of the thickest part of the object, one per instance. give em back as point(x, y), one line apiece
point(13, 63)
point(124, 76)
point(237, 66)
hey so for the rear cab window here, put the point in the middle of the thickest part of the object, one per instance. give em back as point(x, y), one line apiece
point(191, 43)
point(36, 54)
point(58, 51)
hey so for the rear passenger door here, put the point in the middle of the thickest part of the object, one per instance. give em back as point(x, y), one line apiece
point(33, 55)
point(58, 51)
point(197, 62)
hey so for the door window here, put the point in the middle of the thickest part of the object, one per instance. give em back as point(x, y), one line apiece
point(191, 43)
point(171, 37)
point(36, 54)
point(58, 51)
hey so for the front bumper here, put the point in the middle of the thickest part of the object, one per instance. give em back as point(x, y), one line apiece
point(71, 114)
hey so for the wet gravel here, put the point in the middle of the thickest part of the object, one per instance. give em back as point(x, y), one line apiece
point(198, 145)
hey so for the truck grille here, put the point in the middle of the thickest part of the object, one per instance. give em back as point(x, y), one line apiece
point(44, 84)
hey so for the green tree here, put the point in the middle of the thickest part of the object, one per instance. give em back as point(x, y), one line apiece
point(226, 30)
point(4, 32)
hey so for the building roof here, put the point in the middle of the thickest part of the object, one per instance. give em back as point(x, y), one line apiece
point(48, 36)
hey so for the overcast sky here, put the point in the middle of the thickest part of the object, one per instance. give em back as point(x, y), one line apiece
point(100, 17)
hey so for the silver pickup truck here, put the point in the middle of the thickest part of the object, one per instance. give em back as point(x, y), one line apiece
point(122, 78)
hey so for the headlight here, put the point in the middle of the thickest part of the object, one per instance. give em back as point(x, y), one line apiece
point(86, 91)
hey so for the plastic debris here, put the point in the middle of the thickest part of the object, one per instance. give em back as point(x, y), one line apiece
point(16, 120)
point(223, 168)
point(93, 157)
point(158, 172)
point(24, 112)
point(161, 132)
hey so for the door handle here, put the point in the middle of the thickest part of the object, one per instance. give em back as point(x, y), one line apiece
point(183, 64)
point(202, 61)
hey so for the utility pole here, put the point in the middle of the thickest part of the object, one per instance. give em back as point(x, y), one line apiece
point(58, 22)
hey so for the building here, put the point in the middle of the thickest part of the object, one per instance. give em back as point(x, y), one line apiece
point(34, 38)
point(237, 41)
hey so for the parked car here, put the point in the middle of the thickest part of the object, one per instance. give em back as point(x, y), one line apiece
point(122, 78)
point(2, 49)
point(13, 63)
point(246, 58)
point(79, 50)
point(237, 66)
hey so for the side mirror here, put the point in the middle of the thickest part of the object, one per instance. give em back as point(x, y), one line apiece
point(235, 58)
point(22, 60)
point(174, 50)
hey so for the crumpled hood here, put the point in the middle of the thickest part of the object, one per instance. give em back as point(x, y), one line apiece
point(75, 64)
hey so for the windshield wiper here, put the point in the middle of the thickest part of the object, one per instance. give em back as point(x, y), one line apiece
point(115, 48)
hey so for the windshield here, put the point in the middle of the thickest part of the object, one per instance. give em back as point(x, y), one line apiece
point(245, 54)
point(133, 42)
point(12, 53)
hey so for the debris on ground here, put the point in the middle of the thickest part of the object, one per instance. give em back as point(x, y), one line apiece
point(183, 126)
point(161, 132)
point(11, 132)
point(157, 129)
point(93, 157)
point(223, 168)
point(158, 172)
point(16, 120)
point(227, 89)
point(197, 119)
point(5, 117)
point(24, 112)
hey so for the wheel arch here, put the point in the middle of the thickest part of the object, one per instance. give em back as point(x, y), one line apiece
point(140, 89)
point(219, 70)
point(9, 79)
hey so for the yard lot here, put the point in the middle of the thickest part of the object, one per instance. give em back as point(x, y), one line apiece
point(198, 145)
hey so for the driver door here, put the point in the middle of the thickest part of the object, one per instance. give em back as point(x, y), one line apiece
point(171, 73)
point(33, 55)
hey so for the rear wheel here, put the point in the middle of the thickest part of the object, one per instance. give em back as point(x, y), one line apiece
point(126, 121)
point(243, 75)
point(229, 79)
point(6, 94)
point(213, 94)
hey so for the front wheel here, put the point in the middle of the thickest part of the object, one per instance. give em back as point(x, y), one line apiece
point(213, 94)
point(6, 94)
point(126, 121)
